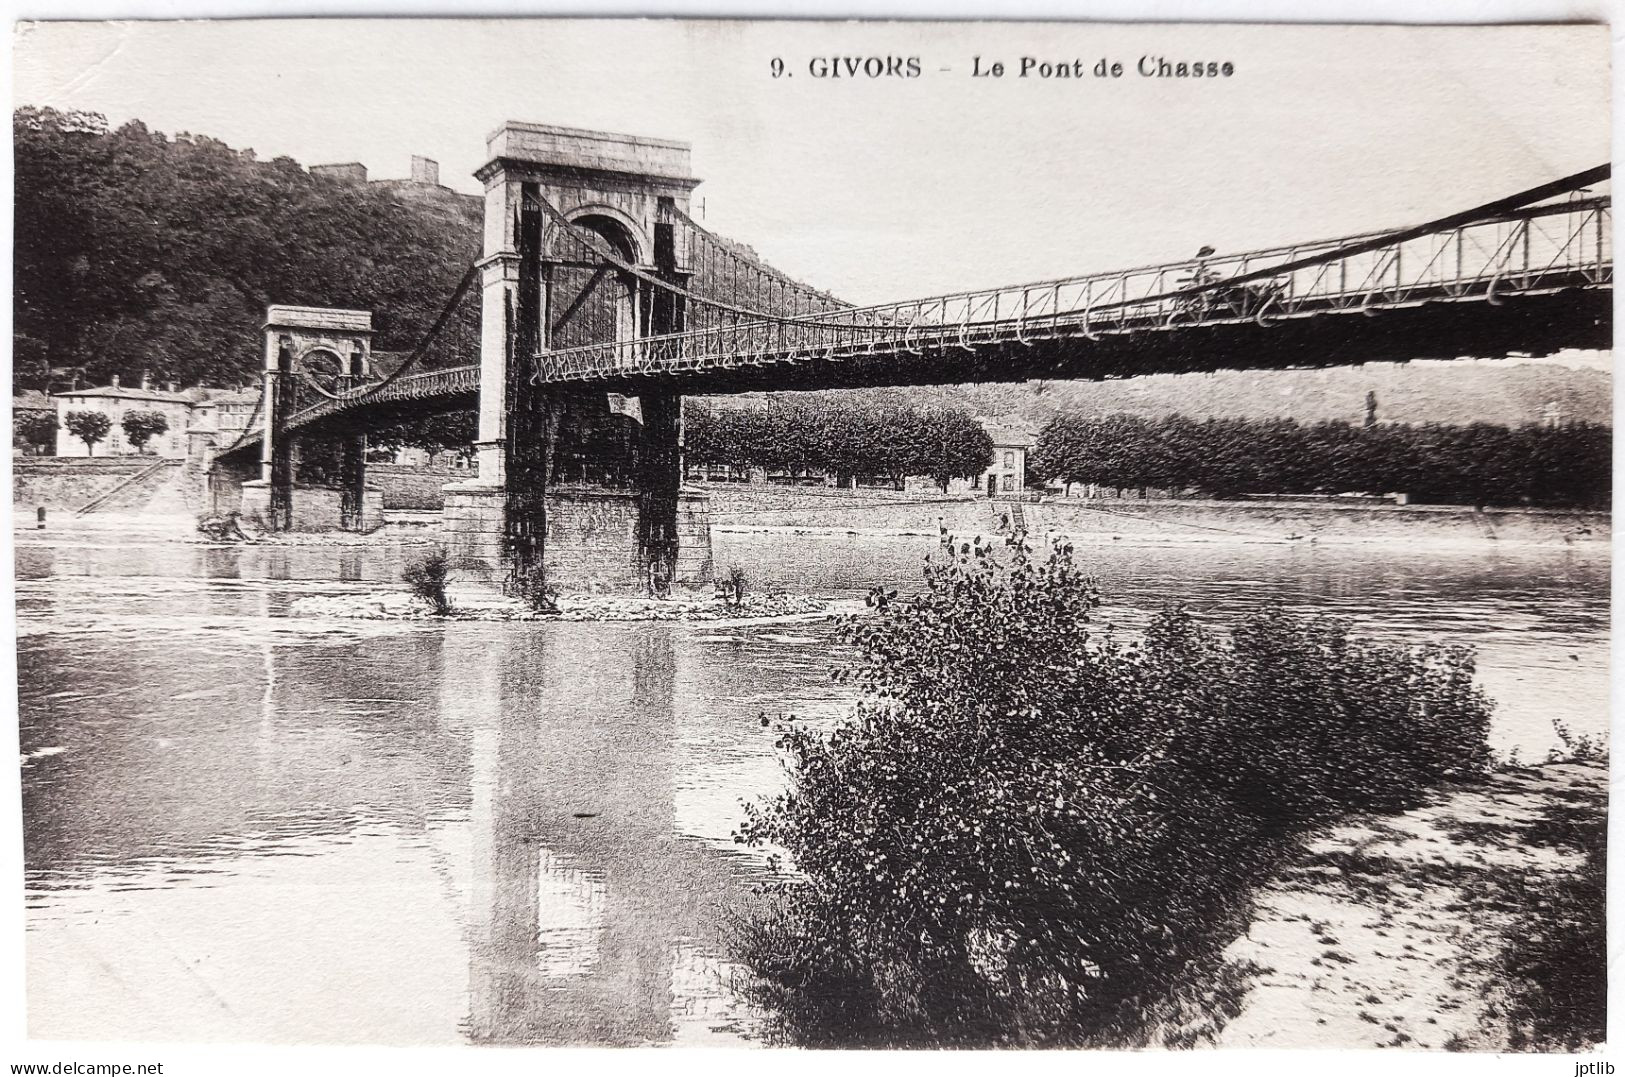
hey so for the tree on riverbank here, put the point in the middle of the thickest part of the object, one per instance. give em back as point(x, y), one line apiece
point(454, 431)
point(34, 430)
point(1476, 464)
point(89, 427)
point(142, 426)
point(1032, 832)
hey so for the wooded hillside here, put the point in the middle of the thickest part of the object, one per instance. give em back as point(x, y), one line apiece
point(136, 251)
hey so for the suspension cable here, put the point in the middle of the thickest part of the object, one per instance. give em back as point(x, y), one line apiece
point(676, 289)
point(784, 280)
point(417, 353)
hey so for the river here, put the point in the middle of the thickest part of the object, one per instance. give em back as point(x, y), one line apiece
point(242, 825)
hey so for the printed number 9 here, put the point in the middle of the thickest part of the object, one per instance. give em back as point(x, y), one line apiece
point(777, 67)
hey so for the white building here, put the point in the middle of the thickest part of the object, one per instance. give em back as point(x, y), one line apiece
point(1006, 476)
point(116, 401)
point(225, 411)
point(191, 412)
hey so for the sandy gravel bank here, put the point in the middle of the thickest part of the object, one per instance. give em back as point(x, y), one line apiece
point(756, 609)
point(1393, 930)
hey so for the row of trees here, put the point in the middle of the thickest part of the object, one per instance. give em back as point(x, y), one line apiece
point(1476, 464)
point(844, 435)
point(91, 427)
point(453, 431)
point(140, 252)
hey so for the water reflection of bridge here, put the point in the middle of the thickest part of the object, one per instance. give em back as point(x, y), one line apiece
point(536, 781)
point(600, 916)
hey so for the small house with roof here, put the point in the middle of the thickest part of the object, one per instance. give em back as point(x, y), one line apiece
point(31, 401)
point(223, 411)
point(1007, 475)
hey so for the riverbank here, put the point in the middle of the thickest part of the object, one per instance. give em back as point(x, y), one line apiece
point(770, 511)
point(1153, 521)
point(469, 604)
point(1410, 930)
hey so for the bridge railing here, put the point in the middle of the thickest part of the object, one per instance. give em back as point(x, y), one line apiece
point(431, 384)
point(1551, 246)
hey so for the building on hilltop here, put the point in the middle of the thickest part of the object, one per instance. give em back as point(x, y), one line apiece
point(422, 184)
point(349, 172)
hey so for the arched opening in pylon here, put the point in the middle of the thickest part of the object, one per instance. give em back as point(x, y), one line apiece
point(591, 300)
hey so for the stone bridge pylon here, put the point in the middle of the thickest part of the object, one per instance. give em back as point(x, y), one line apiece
point(574, 484)
point(311, 351)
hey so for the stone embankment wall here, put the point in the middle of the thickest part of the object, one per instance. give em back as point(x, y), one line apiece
point(64, 484)
point(415, 486)
point(743, 497)
point(1153, 520)
point(1325, 522)
point(759, 505)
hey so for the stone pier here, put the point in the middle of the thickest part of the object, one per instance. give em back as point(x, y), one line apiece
point(314, 508)
point(591, 541)
point(546, 189)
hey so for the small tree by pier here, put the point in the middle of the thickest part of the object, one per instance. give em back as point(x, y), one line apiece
point(427, 576)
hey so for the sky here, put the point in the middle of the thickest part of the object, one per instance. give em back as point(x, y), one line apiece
point(889, 188)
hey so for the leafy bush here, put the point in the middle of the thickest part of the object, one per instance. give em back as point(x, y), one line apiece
point(1031, 832)
point(1556, 966)
point(733, 587)
point(1578, 747)
point(533, 589)
point(427, 576)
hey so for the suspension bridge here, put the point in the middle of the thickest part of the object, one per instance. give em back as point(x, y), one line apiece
point(596, 281)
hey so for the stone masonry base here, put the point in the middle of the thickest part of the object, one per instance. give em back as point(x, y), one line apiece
point(315, 508)
point(592, 536)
